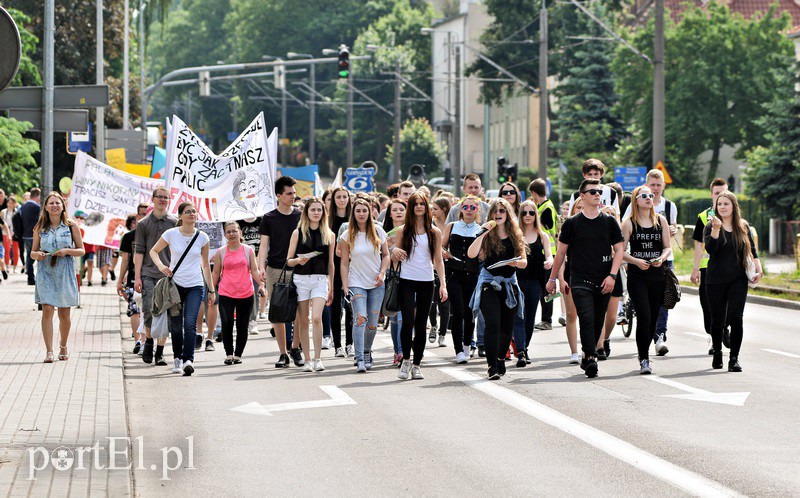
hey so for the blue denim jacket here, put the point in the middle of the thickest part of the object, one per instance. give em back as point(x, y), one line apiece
point(496, 282)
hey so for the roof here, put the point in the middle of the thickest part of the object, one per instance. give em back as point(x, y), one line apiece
point(747, 8)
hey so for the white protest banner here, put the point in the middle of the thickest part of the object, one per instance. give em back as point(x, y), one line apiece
point(105, 196)
point(237, 184)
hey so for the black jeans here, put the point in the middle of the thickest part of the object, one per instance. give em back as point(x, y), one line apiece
point(499, 320)
point(547, 307)
point(591, 307)
point(727, 305)
point(242, 307)
point(443, 309)
point(415, 303)
point(460, 286)
point(647, 297)
point(336, 316)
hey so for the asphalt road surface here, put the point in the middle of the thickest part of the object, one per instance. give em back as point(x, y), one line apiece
point(541, 430)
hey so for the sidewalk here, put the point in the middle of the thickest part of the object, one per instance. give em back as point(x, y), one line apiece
point(52, 414)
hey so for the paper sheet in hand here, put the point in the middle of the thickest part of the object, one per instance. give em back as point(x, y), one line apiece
point(309, 255)
point(503, 263)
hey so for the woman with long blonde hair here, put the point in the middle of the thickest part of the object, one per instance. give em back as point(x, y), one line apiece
point(648, 236)
point(497, 292)
point(56, 242)
point(731, 250)
point(311, 251)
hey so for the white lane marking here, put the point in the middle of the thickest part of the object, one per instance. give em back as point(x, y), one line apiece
point(337, 398)
point(697, 334)
point(679, 477)
point(695, 394)
point(782, 353)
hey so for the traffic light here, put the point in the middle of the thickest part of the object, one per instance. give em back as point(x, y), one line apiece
point(511, 173)
point(344, 62)
point(502, 170)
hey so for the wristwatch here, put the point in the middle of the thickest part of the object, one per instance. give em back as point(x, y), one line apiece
point(613, 275)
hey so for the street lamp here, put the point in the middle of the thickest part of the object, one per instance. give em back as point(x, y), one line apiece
point(329, 51)
point(312, 118)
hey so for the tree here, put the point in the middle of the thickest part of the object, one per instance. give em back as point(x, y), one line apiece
point(418, 145)
point(18, 167)
point(773, 176)
point(28, 74)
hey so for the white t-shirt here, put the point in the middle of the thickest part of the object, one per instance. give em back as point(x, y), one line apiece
point(662, 210)
point(607, 198)
point(190, 273)
point(365, 261)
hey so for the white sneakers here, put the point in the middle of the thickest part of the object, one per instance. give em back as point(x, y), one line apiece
point(442, 342)
point(463, 356)
point(188, 369)
point(416, 373)
point(253, 330)
point(339, 352)
point(404, 370)
point(177, 366)
point(318, 366)
point(661, 346)
point(308, 367)
point(575, 359)
point(327, 342)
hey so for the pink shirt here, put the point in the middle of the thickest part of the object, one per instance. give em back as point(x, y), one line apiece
point(236, 281)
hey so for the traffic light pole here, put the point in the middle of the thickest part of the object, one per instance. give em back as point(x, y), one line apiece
point(312, 119)
point(349, 123)
point(543, 91)
point(395, 169)
point(456, 166)
point(100, 125)
point(658, 85)
point(47, 119)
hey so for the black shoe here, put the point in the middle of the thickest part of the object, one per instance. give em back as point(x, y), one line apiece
point(5, 275)
point(601, 354)
point(89, 283)
point(272, 332)
point(607, 348)
point(283, 361)
point(716, 363)
point(113, 275)
point(584, 362)
point(147, 354)
point(297, 357)
point(493, 374)
point(501, 367)
point(591, 369)
point(481, 351)
point(103, 283)
point(726, 338)
point(521, 360)
point(31, 282)
point(198, 341)
point(711, 352)
point(160, 361)
point(137, 347)
point(733, 364)
point(527, 358)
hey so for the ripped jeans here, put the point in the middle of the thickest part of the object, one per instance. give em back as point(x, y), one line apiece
point(366, 309)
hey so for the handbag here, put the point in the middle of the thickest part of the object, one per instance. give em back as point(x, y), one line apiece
point(283, 299)
point(391, 297)
point(672, 289)
point(750, 270)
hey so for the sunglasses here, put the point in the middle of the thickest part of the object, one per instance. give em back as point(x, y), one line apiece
point(593, 191)
point(528, 213)
point(468, 208)
point(508, 192)
point(646, 196)
point(501, 211)
point(419, 204)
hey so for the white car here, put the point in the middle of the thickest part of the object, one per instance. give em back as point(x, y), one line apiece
point(437, 183)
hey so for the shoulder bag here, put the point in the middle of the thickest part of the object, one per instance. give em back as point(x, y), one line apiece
point(283, 299)
point(391, 296)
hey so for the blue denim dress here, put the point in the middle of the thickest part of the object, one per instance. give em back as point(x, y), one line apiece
point(56, 285)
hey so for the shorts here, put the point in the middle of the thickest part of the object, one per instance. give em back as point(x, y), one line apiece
point(103, 257)
point(89, 256)
point(311, 286)
point(273, 274)
point(617, 292)
point(134, 301)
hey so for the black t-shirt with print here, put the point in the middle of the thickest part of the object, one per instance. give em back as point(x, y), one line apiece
point(589, 252)
point(126, 245)
point(250, 233)
point(278, 227)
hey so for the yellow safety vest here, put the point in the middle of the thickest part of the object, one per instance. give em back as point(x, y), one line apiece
point(548, 205)
point(704, 219)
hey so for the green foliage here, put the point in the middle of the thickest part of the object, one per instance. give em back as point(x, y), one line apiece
point(18, 168)
point(28, 74)
point(418, 145)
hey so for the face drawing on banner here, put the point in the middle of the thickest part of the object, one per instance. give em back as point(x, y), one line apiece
point(116, 229)
point(248, 189)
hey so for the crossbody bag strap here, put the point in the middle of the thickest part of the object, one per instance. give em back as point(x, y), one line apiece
point(196, 234)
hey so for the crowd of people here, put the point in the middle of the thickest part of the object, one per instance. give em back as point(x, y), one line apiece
point(477, 268)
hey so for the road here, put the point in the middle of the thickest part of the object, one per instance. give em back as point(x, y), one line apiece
point(541, 430)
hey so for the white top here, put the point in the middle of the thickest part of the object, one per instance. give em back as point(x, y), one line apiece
point(365, 261)
point(190, 273)
point(7, 215)
point(609, 197)
point(662, 210)
point(419, 264)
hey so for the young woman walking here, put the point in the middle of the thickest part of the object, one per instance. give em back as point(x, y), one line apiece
point(440, 207)
point(56, 242)
point(731, 250)
point(340, 207)
point(235, 269)
point(311, 254)
point(365, 259)
point(394, 220)
point(510, 193)
point(648, 236)
point(186, 239)
point(497, 294)
point(531, 277)
point(418, 249)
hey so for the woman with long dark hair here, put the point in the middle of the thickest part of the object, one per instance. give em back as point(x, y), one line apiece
point(440, 207)
point(497, 294)
point(510, 193)
point(395, 217)
point(731, 250)
point(339, 210)
point(419, 250)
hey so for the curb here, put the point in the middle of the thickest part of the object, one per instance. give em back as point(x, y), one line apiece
point(752, 298)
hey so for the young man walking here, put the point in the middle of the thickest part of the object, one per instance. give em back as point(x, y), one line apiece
point(470, 186)
point(29, 213)
point(588, 239)
point(594, 168)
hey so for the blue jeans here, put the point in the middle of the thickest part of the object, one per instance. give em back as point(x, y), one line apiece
point(480, 326)
point(28, 261)
point(326, 321)
point(183, 327)
point(366, 303)
point(663, 314)
point(396, 324)
point(523, 327)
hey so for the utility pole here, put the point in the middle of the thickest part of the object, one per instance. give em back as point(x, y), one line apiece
point(543, 91)
point(349, 123)
point(142, 94)
point(658, 85)
point(395, 169)
point(47, 118)
point(283, 128)
point(100, 128)
point(126, 79)
point(235, 115)
point(312, 118)
point(456, 166)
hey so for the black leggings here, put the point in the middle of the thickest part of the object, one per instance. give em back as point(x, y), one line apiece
point(443, 310)
point(243, 306)
point(415, 303)
point(591, 307)
point(499, 320)
point(336, 316)
point(460, 286)
point(727, 308)
point(647, 297)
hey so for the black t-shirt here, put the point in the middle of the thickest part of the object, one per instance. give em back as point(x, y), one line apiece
point(535, 268)
point(507, 253)
point(250, 233)
point(278, 227)
point(317, 265)
point(723, 265)
point(589, 252)
point(646, 244)
point(126, 245)
point(699, 228)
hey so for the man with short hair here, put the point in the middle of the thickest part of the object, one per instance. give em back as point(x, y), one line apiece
point(588, 239)
point(146, 273)
point(548, 215)
point(29, 212)
point(718, 186)
point(276, 233)
point(471, 185)
point(594, 168)
point(404, 192)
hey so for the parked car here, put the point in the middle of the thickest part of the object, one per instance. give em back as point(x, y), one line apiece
point(437, 183)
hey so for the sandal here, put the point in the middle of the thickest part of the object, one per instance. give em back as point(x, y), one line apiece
point(237, 360)
point(49, 358)
point(229, 360)
point(63, 356)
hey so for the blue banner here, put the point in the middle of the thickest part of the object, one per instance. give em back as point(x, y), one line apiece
point(630, 177)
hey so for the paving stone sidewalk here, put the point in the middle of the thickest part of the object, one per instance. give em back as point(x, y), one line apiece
point(51, 413)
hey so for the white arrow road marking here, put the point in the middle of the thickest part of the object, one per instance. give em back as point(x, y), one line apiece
point(677, 476)
point(790, 355)
point(695, 394)
point(337, 398)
